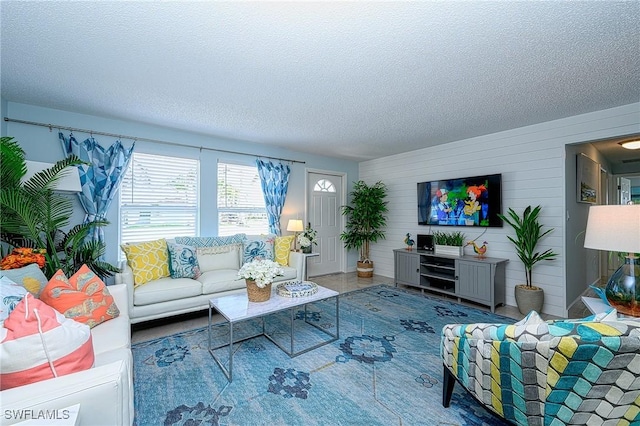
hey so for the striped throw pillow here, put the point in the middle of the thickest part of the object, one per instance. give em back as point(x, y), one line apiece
point(39, 343)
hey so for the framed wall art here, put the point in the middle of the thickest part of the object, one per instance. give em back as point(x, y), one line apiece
point(588, 179)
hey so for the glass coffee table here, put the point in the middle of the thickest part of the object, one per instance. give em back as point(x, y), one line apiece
point(236, 308)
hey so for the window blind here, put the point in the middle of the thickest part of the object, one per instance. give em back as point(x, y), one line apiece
point(159, 198)
point(241, 206)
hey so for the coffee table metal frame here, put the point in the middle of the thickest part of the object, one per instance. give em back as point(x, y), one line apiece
point(236, 308)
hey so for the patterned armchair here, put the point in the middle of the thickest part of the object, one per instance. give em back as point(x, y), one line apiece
point(552, 373)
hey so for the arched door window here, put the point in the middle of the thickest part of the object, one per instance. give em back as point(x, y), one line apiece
point(324, 185)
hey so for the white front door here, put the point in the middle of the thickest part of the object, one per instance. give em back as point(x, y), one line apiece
point(324, 198)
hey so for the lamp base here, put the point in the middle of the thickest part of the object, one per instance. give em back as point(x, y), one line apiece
point(623, 288)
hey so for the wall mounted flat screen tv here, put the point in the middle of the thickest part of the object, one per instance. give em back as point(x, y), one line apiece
point(472, 201)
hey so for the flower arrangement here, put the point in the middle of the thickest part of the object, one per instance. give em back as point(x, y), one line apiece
point(23, 256)
point(261, 271)
point(308, 237)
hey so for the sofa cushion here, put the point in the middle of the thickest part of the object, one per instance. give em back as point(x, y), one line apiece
point(164, 289)
point(30, 277)
point(258, 247)
point(149, 260)
point(38, 343)
point(111, 335)
point(289, 274)
point(10, 295)
point(83, 297)
point(211, 241)
point(183, 262)
point(282, 248)
point(220, 257)
point(220, 280)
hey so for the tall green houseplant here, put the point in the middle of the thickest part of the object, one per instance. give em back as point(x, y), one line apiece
point(529, 232)
point(366, 221)
point(33, 215)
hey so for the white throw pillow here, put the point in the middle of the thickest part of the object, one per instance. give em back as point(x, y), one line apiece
point(222, 257)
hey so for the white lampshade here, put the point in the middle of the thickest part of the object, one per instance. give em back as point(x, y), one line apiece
point(295, 225)
point(69, 179)
point(614, 228)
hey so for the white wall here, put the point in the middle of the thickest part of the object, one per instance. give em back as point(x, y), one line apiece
point(532, 162)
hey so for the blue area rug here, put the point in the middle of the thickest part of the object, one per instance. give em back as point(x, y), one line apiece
point(385, 369)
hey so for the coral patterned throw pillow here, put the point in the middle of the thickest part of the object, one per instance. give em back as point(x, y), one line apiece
point(83, 297)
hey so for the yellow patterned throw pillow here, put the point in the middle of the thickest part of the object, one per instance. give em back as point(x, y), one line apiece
point(148, 260)
point(282, 247)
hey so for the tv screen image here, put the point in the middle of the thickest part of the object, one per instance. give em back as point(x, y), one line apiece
point(472, 201)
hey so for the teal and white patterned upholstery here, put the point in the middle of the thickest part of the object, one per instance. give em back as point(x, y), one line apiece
point(550, 373)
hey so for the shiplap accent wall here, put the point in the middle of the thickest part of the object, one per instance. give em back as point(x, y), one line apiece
point(532, 163)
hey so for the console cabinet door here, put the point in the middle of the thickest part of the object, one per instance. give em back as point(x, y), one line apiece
point(407, 268)
point(474, 280)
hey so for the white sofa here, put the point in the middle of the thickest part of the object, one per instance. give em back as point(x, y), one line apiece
point(104, 392)
point(166, 297)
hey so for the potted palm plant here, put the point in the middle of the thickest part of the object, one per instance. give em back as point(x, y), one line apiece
point(528, 234)
point(365, 221)
point(33, 215)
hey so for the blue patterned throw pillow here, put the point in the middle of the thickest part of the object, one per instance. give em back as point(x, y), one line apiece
point(211, 241)
point(10, 295)
point(258, 247)
point(183, 262)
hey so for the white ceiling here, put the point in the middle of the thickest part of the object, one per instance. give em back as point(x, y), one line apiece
point(357, 80)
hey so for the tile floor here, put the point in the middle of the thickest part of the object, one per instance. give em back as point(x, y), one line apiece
point(339, 282)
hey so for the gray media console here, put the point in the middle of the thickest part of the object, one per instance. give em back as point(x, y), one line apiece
point(479, 280)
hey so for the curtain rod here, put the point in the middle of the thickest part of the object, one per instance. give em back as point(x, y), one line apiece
point(134, 138)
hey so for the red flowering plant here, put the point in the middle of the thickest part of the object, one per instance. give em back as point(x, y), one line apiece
point(23, 256)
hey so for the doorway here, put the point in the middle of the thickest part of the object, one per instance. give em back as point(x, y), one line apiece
point(324, 200)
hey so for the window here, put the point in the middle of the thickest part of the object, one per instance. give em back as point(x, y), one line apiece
point(241, 205)
point(158, 198)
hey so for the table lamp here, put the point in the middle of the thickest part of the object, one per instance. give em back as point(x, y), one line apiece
point(617, 228)
point(295, 226)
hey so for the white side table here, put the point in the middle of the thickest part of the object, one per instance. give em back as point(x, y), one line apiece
point(306, 267)
point(595, 304)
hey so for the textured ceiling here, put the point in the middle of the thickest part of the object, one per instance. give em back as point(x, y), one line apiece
point(357, 80)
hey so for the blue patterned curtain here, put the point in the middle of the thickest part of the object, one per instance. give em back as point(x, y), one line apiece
point(275, 181)
point(100, 179)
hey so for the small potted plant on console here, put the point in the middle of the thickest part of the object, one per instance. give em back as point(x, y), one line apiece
point(449, 243)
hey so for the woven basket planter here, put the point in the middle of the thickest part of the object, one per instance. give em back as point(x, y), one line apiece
point(257, 294)
point(365, 269)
